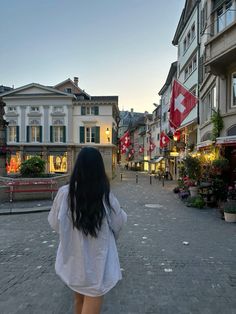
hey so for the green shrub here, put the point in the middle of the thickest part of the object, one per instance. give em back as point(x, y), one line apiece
point(196, 201)
point(193, 167)
point(230, 207)
point(221, 163)
point(32, 167)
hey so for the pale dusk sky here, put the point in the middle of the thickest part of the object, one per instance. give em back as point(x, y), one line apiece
point(115, 47)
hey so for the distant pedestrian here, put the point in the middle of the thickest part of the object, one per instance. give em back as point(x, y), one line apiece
point(88, 218)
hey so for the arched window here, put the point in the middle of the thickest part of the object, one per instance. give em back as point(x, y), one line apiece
point(206, 137)
point(232, 131)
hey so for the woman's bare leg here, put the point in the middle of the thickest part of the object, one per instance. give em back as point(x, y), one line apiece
point(92, 305)
point(78, 303)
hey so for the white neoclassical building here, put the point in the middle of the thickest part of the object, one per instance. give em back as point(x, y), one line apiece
point(56, 122)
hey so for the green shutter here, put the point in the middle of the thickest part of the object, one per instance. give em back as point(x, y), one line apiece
point(51, 133)
point(27, 133)
point(64, 134)
point(83, 111)
point(17, 133)
point(82, 134)
point(97, 135)
point(40, 133)
point(96, 110)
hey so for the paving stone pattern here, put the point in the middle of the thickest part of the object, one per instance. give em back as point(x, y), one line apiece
point(174, 259)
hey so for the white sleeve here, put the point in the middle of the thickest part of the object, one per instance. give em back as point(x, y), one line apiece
point(53, 214)
point(118, 216)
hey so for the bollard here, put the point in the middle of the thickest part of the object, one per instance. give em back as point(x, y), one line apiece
point(121, 176)
point(163, 180)
point(150, 179)
point(136, 178)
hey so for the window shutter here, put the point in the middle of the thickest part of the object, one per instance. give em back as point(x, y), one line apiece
point(40, 133)
point(17, 133)
point(51, 133)
point(27, 133)
point(97, 135)
point(83, 111)
point(96, 110)
point(81, 134)
point(64, 134)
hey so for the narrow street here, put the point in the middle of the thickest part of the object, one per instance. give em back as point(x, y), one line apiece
point(174, 259)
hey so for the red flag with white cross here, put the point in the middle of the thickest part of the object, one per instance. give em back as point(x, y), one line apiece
point(164, 140)
point(151, 146)
point(181, 103)
point(125, 139)
point(141, 149)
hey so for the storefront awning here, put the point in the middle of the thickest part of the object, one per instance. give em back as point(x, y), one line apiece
point(204, 144)
point(226, 140)
point(155, 161)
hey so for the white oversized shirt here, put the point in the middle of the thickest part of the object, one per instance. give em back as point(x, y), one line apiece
point(88, 265)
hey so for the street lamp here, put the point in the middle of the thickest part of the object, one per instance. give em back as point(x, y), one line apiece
point(108, 134)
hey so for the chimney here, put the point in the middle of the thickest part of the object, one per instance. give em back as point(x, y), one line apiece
point(76, 80)
point(132, 109)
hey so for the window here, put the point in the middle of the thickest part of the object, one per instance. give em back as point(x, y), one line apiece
point(13, 133)
point(193, 32)
point(225, 15)
point(204, 18)
point(68, 90)
point(186, 73)
point(11, 109)
point(34, 108)
point(185, 45)
point(189, 38)
point(192, 65)
point(34, 134)
point(209, 104)
point(90, 110)
point(164, 116)
point(58, 109)
point(90, 134)
point(233, 90)
point(57, 134)
point(229, 12)
point(194, 62)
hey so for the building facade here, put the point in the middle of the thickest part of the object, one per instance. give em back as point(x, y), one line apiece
point(56, 122)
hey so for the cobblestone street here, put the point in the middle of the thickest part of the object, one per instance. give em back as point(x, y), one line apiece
point(174, 259)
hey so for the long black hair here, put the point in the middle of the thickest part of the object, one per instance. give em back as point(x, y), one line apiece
point(88, 185)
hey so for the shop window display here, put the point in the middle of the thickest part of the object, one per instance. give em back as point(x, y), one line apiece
point(13, 164)
point(58, 163)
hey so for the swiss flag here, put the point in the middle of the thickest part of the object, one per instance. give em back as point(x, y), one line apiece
point(141, 149)
point(151, 146)
point(164, 140)
point(125, 139)
point(123, 149)
point(181, 103)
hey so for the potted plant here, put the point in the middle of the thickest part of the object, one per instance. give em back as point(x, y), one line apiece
point(193, 170)
point(230, 211)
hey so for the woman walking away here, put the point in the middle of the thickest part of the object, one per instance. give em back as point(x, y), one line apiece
point(88, 218)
